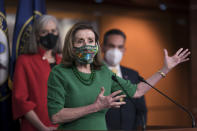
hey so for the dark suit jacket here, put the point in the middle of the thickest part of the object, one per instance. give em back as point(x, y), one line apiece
point(128, 116)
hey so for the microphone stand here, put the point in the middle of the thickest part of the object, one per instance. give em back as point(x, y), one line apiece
point(170, 99)
point(130, 99)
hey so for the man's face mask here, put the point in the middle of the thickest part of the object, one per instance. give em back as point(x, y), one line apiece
point(85, 54)
point(49, 41)
point(113, 56)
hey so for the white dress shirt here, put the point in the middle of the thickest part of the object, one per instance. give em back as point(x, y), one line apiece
point(117, 67)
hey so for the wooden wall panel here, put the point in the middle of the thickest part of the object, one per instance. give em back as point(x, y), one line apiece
point(193, 39)
point(148, 32)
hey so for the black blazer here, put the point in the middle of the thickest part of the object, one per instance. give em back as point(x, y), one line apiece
point(128, 116)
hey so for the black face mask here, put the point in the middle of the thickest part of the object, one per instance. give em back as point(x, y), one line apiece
point(49, 41)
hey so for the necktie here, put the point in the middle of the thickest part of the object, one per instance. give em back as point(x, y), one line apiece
point(114, 70)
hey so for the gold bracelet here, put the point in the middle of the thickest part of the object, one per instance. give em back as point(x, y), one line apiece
point(162, 74)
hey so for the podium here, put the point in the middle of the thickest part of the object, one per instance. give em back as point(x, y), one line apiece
point(170, 128)
point(163, 129)
point(180, 129)
point(151, 128)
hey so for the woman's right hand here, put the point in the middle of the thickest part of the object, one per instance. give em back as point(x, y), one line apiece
point(110, 101)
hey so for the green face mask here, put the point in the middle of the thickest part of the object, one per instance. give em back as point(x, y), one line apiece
point(85, 54)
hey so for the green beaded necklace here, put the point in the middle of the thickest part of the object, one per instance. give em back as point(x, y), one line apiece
point(88, 81)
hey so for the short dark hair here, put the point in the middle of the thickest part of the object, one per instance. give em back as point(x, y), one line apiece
point(113, 32)
point(69, 56)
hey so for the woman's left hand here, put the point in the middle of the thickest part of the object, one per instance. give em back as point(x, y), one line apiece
point(179, 57)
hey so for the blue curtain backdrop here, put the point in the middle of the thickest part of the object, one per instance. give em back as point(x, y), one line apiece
point(6, 121)
point(27, 12)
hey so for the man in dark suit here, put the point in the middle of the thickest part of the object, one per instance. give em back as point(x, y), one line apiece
point(132, 115)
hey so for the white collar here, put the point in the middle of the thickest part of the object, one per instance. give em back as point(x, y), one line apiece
point(119, 73)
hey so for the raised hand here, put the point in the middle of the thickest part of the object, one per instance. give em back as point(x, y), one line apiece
point(179, 57)
point(103, 102)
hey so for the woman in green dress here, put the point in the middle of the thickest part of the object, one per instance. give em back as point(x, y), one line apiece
point(81, 89)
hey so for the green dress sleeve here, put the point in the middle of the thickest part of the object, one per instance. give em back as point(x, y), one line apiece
point(56, 93)
point(126, 85)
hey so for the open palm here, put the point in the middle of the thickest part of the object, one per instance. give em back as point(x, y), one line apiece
point(179, 57)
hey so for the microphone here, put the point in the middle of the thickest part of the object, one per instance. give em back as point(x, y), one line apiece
point(170, 99)
point(130, 99)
